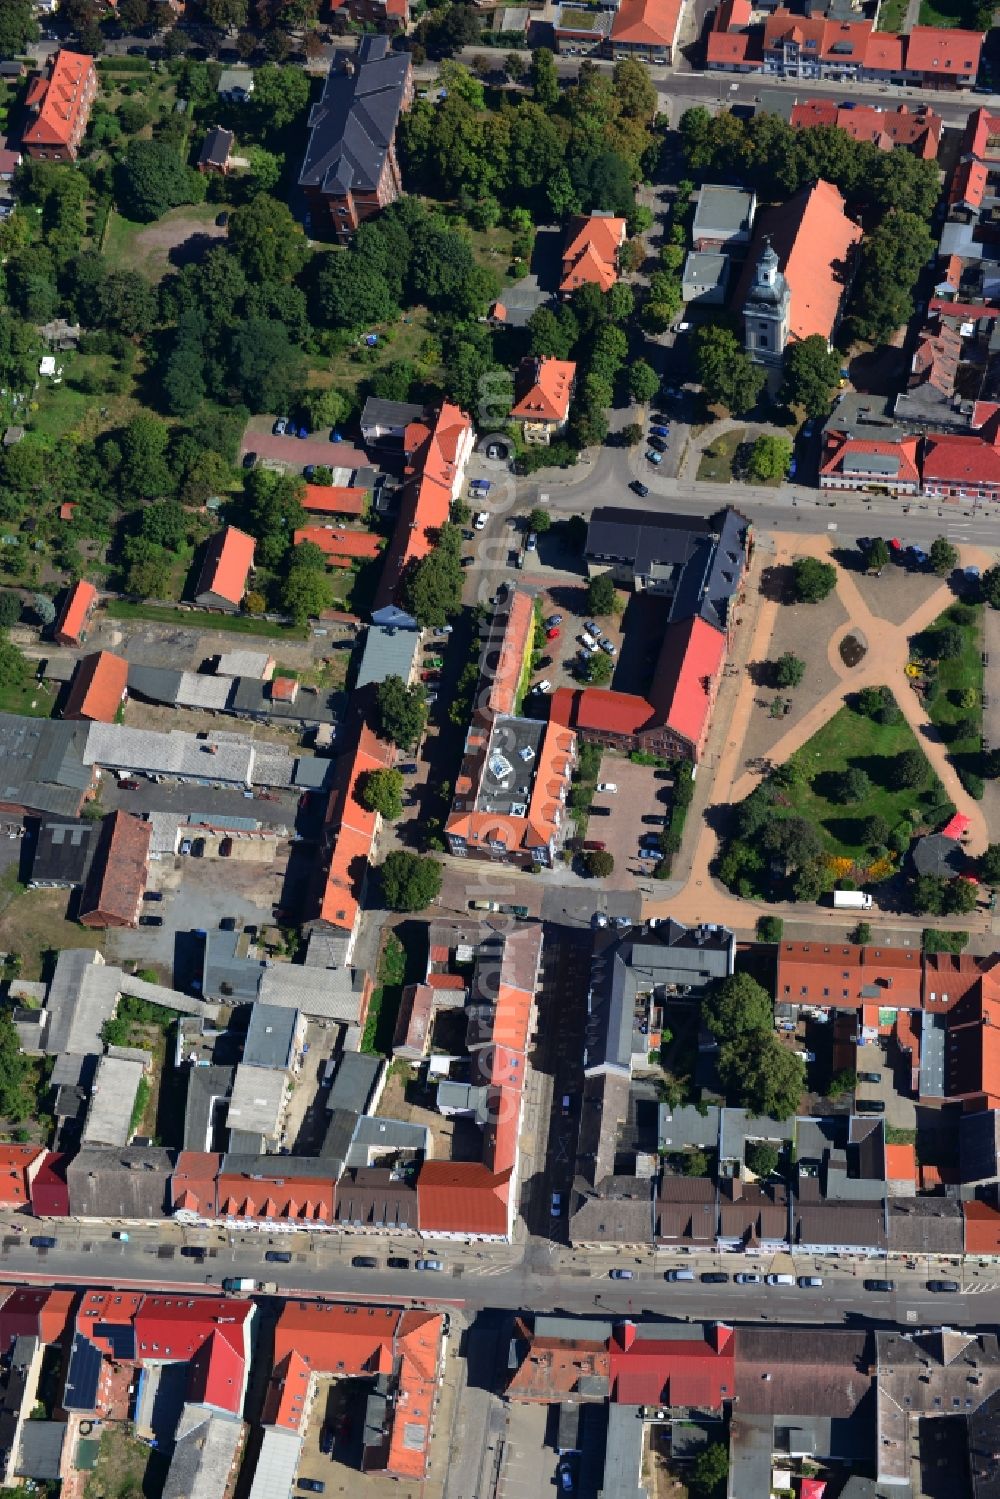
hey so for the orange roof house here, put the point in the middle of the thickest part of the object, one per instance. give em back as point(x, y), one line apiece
point(60, 101)
point(98, 688)
point(113, 893)
point(687, 679)
point(351, 832)
point(546, 389)
point(332, 499)
point(402, 1349)
point(35, 1312)
point(224, 573)
point(590, 255)
point(982, 1229)
point(918, 130)
point(18, 1167)
point(436, 457)
point(938, 54)
point(341, 548)
point(646, 29)
point(71, 623)
point(814, 244)
point(463, 1199)
point(859, 463)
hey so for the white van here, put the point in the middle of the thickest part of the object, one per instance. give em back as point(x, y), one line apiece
point(780, 1280)
point(680, 1275)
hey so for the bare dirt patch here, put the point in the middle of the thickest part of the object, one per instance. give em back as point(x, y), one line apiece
point(181, 236)
point(405, 1098)
point(805, 630)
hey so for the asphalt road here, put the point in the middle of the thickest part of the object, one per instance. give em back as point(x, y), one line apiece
point(549, 1278)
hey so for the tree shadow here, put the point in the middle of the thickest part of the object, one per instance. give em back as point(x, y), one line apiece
point(777, 584)
point(193, 249)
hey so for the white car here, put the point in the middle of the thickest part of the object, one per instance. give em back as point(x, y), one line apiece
point(611, 786)
point(481, 520)
point(543, 686)
point(588, 641)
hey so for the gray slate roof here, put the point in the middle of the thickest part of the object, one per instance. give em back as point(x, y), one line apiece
point(41, 764)
point(352, 127)
point(128, 1183)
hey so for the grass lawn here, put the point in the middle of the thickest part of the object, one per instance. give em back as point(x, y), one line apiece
point(147, 247)
point(32, 699)
point(66, 408)
point(126, 1468)
point(401, 340)
point(961, 728)
point(716, 466)
point(34, 921)
point(383, 1008)
point(891, 15)
point(239, 624)
point(945, 13)
point(850, 740)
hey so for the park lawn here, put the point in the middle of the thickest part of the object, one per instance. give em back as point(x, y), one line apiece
point(716, 466)
point(849, 740)
point(492, 247)
point(33, 922)
point(147, 247)
point(63, 409)
point(239, 624)
point(954, 678)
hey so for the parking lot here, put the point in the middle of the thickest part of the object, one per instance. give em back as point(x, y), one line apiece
point(617, 818)
point(529, 1466)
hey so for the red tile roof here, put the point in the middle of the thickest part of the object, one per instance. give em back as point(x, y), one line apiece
point(49, 1192)
point(693, 1372)
point(18, 1165)
point(937, 50)
point(113, 893)
point(602, 709)
point(982, 135)
point(63, 100)
point(308, 1199)
point(687, 678)
point(982, 1228)
point(968, 184)
point(648, 23)
point(462, 1197)
point(341, 547)
point(210, 1333)
point(228, 560)
point(35, 1312)
point(590, 255)
point(837, 447)
point(193, 1182)
point(953, 460)
point(98, 688)
point(546, 387)
point(326, 499)
point(915, 128)
point(353, 829)
point(840, 974)
point(901, 1163)
point(814, 241)
point(73, 616)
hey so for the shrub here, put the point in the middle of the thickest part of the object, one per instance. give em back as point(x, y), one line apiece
point(769, 928)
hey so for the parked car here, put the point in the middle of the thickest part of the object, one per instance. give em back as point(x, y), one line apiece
point(880, 1285)
point(531, 545)
point(660, 431)
point(543, 686)
point(869, 1077)
point(480, 521)
point(565, 1474)
point(748, 1278)
point(468, 535)
point(594, 843)
point(637, 487)
point(152, 895)
point(150, 920)
point(621, 1274)
point(302, 432)
point(553, 620)
point(870, 1106)
point(396, 1262)
point(780, 1280)
point(186, 846)
point(326, 1441)
point(654, 457)
point(312, 1485)
point(192, 1252)
point(467, 562)
point(43, 1241)
point(609, 647)
point(658, 443)
point(544, 662)
point(278, 1256)
point(675, 1275)
point(793, 465)
point(594, 629)
point(810, 1282)
point(128, 785)
point(555, 1208)
point(715, 1278)
point(932, 1285)
point(609, 786)
point(364, 1262)
point(280, 427)
point(429, 1265)
point(553, 634)
point(227, 924)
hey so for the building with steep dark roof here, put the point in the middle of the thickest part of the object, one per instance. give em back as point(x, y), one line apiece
point(350, 170)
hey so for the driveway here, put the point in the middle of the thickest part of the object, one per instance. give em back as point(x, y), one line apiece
point(296, 452)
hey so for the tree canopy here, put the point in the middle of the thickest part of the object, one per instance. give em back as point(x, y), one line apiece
point(152, 179)
point(813, 580)
point(811, 374)
point(728, 375)
point(409, 882)
point(400, 711)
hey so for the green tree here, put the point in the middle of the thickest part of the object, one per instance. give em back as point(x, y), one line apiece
point(989, 862)
point(927, 895)
point(877, 832)
point(862, 934)
point(813, 580)
point(620, 304)
point(18, 27)
point(728, 376)
point(770, 459)
point(15, 1072)
point(264, 365)
point(598, 863)
point(643, 382)
point(602, 595)
point(151, 179)
point(306, 591)
point(352, 293)
point(944, 557)
point(762, 1159)
point(432, 587)
point(710, 1469)
point(10, 609)
point(44, 608)
point(789, 670)
point(382, 791)
point(891, 260)
point(849, 787)
point(908, 770)
point(959, 898)
point(272, 512)
point(544, 78)
point(144, 472)
point(990, 585)
point(877, 703)
point(878, 555)
point(13, 664)
point(769, 928)
point(226, 15)
point(409, 882)
point(400, 712)
point(811, 374)
point(265, 167)
point(539, 521)
point(279, 94)
point(165, 525)
point(553, 333)
point(600, 669)
point(320, 408)
point(126, 303)
point(767, 1078)
point(945, 643)
point(696, 1163)
point(267, 240)
point(738, 1007)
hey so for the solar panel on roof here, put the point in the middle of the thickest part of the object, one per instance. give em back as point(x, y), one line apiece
point(83, 1375)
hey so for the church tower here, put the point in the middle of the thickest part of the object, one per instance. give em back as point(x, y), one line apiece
point(766, 310)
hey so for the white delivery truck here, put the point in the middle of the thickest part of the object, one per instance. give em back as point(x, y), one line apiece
point(851, 900)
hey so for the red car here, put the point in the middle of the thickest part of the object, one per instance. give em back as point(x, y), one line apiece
point(429, 676)
point(594, 843)
point(552, 634)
